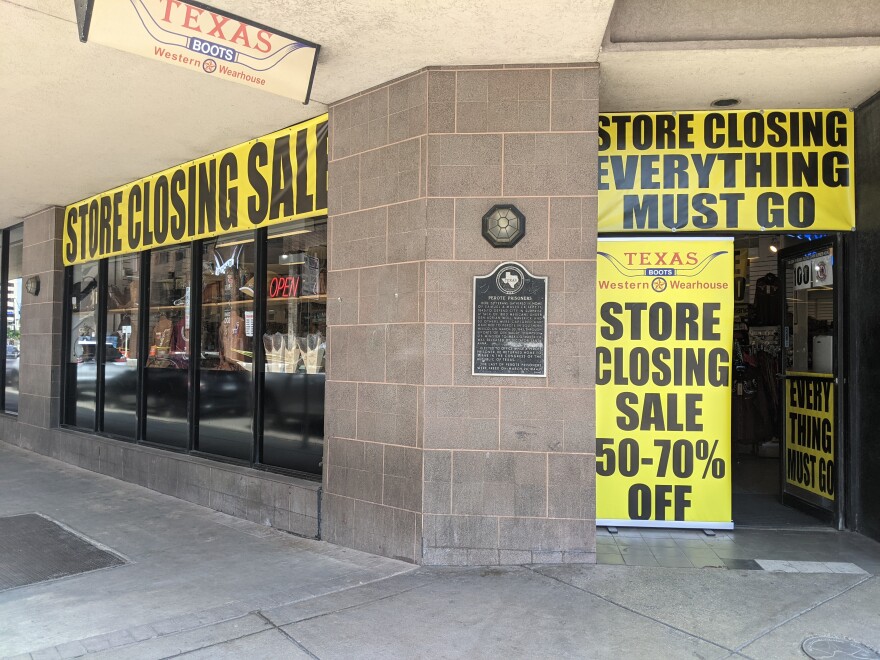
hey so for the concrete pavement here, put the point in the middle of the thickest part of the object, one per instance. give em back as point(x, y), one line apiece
point(199, 584)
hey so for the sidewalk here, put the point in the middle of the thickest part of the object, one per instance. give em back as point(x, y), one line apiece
point(201, 584)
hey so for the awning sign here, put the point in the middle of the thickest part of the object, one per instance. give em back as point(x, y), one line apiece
point(203, 39)
point(750, 171)
point(664, 334)
point(273, 179)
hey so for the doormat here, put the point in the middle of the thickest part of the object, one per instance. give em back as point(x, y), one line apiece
point(35, 549)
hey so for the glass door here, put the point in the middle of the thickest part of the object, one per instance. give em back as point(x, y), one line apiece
point(811, 456)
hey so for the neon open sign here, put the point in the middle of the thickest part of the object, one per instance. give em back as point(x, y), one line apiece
point(284, 287)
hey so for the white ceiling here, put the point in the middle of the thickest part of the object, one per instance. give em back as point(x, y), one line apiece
point(78, 119)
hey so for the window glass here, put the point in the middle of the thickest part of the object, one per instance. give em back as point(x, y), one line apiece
point(13, 318)
point(158, 341)
point(81, 371)
point(294, 346)
point(166, 373)
point(120, 346)
point(226, 404)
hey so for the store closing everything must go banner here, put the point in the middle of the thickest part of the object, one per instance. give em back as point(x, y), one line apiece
point(273, 179)
point(750, 170)
point(663, 372)
point(809, 434)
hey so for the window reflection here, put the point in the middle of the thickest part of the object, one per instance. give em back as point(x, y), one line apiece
point(81, 385)
point(159, 341)
point(227, 347)
point(120, 346)
point(13, 318)
point(294, 346)
point(166, 376)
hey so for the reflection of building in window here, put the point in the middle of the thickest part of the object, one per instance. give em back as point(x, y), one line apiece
point(13, 304)
point(123, 290)
point(227, 304)
point(169, 320)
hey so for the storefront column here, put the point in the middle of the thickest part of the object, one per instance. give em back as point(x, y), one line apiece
point(424, 461)
point(40, 361)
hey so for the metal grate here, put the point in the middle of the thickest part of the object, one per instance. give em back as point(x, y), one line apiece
point(839, 648)
point(34, 549)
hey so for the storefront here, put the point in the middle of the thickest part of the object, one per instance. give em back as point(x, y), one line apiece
point(196, 316)
point(225, 331)
point(721, 377)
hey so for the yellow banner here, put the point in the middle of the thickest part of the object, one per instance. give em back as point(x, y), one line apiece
point(809, 433)
point(663, 360)
point(273, 179)
point(749, 170)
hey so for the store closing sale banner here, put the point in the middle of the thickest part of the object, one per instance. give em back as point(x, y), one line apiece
point(663, 362)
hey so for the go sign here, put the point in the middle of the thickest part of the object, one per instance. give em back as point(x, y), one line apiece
point(803, 275)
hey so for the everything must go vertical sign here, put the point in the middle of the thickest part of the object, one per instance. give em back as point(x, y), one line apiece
point(663, 372)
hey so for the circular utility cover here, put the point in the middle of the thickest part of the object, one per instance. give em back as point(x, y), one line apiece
point(504, 225)
point(826, 646)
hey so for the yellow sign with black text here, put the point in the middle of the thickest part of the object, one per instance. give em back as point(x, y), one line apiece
point(663, 362)
point(273, 179)
point(809, 433)
point(732, 171)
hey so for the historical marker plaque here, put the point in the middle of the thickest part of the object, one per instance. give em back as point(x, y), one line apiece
point(510, 323)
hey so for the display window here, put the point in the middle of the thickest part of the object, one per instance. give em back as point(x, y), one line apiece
point(226, 357)
point(167, 365)
point(216, 347)
point(81, 378)
point(11, 241)
point(295, 346)
point(120, 358)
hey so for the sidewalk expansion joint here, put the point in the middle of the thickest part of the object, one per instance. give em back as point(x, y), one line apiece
point(231, 611)
point(287, 635)
point(220, 643)
point(379, 599)
point(804, 611)
point(665, 624)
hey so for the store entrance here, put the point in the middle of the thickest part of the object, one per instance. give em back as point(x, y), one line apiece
point(784, 418)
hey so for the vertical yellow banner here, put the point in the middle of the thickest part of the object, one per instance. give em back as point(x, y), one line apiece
point(663, 367)
point(809, 433)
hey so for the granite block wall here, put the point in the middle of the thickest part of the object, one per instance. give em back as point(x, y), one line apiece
point(40, 360)
point(423, 460)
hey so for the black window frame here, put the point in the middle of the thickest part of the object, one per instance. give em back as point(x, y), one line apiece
point(261, 236)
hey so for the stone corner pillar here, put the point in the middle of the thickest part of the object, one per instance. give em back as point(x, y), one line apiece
point(424, 461)
point(40, 359)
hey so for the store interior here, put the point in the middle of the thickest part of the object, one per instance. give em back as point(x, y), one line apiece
point(775, 331)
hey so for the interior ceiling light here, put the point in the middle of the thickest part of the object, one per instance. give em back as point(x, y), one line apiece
point(296, 259)
point(231, 243)
point(295, 232)
point(724, 103)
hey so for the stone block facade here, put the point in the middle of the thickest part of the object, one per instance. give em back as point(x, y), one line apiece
point(424, 461)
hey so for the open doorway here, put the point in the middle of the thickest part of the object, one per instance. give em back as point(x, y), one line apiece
point(784, 326)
